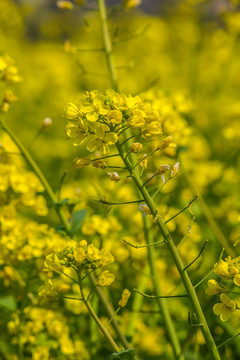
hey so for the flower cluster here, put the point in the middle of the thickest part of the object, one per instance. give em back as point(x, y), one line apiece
point(8, 70)
point(99, 119)
point(81, 256)
point(229, 273)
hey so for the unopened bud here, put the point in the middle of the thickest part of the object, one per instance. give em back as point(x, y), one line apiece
point(162, 169)
point(145, 209)
point(175, 170)
point(78, 163)
point(124, 298)
point(165, 142)
point(114, 176)
point(99, 164)
point(135, 147)
point(46, 123)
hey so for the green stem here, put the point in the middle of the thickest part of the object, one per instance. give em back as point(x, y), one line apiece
point(107, 43)
point(176, 257)
point(137, 304)
point(110, 62)
point(96, 318)
point(39, 174)
point(161, 302)
point(110, 313)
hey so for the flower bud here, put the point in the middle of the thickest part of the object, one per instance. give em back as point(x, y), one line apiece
point(175, 170)
point(135, 147)
point(124, 298)
point(165, 142)
point(78, 163)
point(162, 169)
point(145, 209)
point(114, 176)
point(71, 111)
point(47, 122)
point(99, 164)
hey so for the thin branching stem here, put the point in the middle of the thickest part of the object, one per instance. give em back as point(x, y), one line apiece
point(185, 208)
point(200, 253)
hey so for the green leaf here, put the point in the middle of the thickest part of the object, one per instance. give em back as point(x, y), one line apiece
point(77, 220)
point(8, 302)
point(128, 354)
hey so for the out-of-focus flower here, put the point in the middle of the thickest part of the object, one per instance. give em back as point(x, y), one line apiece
point(66, 5)
point(124, 298)
point(214, 288)
point(105, 279)
point(130, 4)
point(136, 147)
point(226, 308)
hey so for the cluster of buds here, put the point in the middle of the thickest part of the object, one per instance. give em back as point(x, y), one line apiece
point(8, 70)
point(78, 255)
point(229, 273)
point(9, 98)
point(98, 120)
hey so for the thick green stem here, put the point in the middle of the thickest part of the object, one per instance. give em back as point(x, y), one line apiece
point(176, 257)
point(161, 302)
point(107, 43)
point(112, 72)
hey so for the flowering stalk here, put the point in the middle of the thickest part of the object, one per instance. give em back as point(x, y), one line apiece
point(127, 136)
point(175, 255)
point(161, 302)
point(95, 317)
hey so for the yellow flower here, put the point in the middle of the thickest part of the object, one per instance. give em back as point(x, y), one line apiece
point(130, 4)
point(105, 279)
point(106, 258)
point(124, 298)
point(115, 116)
point(79, 255)
point(136, 147)
point(222, 269)
point(92, 253)
point(77, 132)
point(152, 129)
point(52, 263)
point(214, 288)
point(101, 140)
point(236, 279)
point(166, 143)
point(65, 5)
point(225, 308)
point(137, 119)
point(71, 112)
